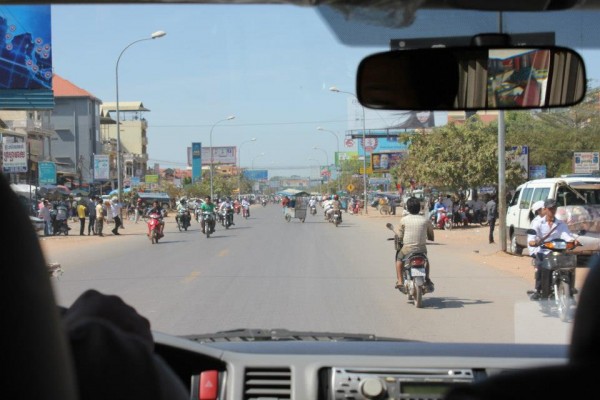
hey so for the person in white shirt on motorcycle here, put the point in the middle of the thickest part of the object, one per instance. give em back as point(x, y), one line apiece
point(312, 203)
point(181, 209)
point(225, 207)
point(246, 206)
point(334, 205)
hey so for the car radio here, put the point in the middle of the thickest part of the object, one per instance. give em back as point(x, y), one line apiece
point(413, 383)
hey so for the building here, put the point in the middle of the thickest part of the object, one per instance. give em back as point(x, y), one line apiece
point(76, 119)
point(134, 139)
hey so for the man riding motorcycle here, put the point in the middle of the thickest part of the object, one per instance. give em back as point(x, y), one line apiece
point(226, 208)
point(413, 232)
point(157, 209)
point(246, 206)
point(333, 206)
point(207, 207)
point(183, 213)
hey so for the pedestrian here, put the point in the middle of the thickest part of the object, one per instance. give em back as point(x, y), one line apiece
point(99, 217)
point(492, 215)
point(115, 209)
point(92, 215)
point(81, 211)
point(44, 213)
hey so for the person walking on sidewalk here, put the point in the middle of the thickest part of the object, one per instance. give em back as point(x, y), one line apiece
point(44, 213)
point(115, 209)
point(492, 215)
point(81, 211)
point(99, 217)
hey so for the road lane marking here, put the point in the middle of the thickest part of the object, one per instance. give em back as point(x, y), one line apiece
point(191, 277)
point(224, 253)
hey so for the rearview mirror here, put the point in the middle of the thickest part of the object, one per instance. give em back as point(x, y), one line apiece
point(389, 226)
point(465, 78)
point(531, 232)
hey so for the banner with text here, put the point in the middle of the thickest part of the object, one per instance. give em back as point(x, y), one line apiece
point(14, 157)
point(585, 162)
point(101, 167)
point(220, 155)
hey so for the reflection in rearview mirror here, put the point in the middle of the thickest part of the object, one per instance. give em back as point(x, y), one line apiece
point(471, 78)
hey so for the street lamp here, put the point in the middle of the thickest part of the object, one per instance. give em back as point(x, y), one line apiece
point(337, 141)
point(155, 35)
point(365, 208)
point(260, 155)
point(212, 152)
point(240, 164)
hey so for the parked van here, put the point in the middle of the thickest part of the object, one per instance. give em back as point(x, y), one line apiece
point(578, 199)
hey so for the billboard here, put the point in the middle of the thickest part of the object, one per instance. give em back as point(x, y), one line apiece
point(25, 47)
point(382, 145)
point(519, 155)
point(47, 173)
point(14, 157)
point(101, 167)
point(585, 163)
point(537, 171)
point(256, 174)
point(196, 151)
point(151, 178)
point(220, 155)
point(383, 162)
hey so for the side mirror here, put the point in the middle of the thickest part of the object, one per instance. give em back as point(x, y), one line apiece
point(582, 232)
point(531, 232)
point(389, 226)
point(467, 78)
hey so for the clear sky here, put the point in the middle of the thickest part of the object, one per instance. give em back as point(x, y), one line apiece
point(270, 66)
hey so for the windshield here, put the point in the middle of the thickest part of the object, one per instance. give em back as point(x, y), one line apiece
point(258, 102)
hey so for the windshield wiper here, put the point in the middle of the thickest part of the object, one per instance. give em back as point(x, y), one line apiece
point(257, 335)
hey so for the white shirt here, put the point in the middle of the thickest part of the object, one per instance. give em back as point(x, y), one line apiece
point(245, 203)
point(542, 228)
point(115, 209)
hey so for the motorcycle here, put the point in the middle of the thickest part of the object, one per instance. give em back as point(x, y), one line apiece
point(264, 203)
point(183, 220)
point(227, 217)
point(237, 207)
point(245, 211)
point(313, 209)
point(336, 217)
point(59, 221)
point(558, 277)
point(154, 223)
point(208, 221)
point(442, 220)
point(413, 272)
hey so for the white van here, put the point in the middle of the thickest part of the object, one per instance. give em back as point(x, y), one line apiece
point(578, 198)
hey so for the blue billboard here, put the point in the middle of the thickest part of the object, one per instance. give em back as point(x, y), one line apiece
point(196, 162)
point(256, 174)
point(25, 47)
point(47, 173)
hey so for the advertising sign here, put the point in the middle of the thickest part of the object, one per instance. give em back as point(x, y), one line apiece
point(25, 43)
point(220, 155)
point(47, 173)
point(196, 162)
point(14, 157)
point(519, 155)
point(381, 162)
point(256, 174)
point(135, 181)
point(382, 144)
point(151, 178)
point(101, 167)
point(537, 171)
point(585, 163)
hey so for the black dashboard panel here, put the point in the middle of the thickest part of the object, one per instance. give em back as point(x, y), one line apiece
point(346, 369)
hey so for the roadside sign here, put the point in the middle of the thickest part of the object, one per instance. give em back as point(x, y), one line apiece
point(350, 188)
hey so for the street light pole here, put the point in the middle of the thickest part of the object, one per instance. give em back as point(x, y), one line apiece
point(155, 35)
point(364, 137)
point(337, 141)
point(211, 152)
point(240, 165)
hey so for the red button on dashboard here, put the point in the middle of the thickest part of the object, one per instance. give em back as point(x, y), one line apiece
point(209, 385)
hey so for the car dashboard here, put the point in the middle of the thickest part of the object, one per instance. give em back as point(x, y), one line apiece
point(348, 370)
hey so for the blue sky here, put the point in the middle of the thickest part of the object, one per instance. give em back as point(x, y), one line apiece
point(270, 66)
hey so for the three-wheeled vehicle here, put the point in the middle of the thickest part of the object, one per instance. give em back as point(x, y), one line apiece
point(297, 206)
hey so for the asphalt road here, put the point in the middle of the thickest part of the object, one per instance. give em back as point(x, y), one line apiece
point(268, 273)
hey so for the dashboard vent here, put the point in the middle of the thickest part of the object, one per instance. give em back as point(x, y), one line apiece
point(270, 383)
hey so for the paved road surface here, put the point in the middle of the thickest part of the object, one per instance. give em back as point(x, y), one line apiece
point(267, 273)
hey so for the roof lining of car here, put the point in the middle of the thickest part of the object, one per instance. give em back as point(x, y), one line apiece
point(487, 5)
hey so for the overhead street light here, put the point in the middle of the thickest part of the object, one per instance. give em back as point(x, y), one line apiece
point(335, 89)
point(155, 35)
point(212, 152)
point(337, 141)
point(240, 164)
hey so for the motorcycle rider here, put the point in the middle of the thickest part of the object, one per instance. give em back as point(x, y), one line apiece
point(157, 209)
point(226, 207)
point(181, 210)
point(312, 203)
point(414, 231)
point(207, 207)
point(334, 206)
point(246, 206)
point(546, 228)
